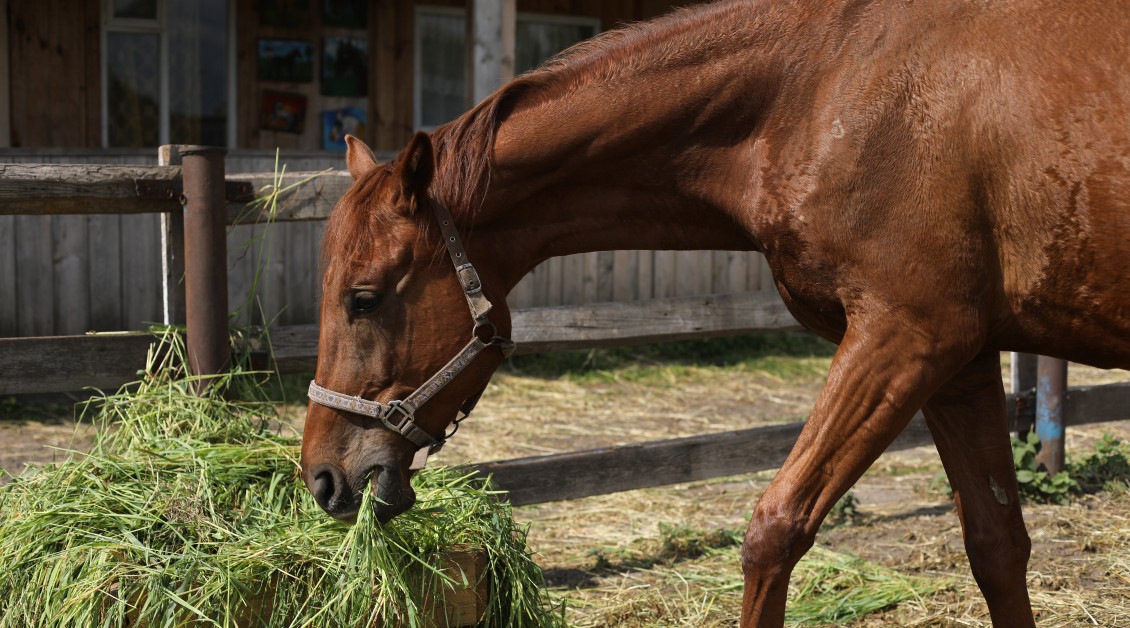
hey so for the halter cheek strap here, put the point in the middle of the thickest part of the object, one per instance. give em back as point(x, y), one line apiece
point(399, 415)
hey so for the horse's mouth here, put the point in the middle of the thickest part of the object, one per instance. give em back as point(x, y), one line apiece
point(391, 491)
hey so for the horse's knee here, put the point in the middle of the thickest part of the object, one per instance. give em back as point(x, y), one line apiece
point(998, 557)
point(774, 542)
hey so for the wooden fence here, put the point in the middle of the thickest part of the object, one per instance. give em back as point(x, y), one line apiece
point(67, 274)
point(106, 360)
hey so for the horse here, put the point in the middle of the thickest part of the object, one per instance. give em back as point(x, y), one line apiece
point(931, 183)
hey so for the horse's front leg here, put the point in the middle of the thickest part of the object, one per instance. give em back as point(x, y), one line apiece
point(881, 374)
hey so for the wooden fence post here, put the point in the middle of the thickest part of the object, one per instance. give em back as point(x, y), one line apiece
point(205, 259)
point(172, 251)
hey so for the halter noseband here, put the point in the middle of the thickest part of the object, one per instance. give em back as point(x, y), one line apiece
point(399, 415)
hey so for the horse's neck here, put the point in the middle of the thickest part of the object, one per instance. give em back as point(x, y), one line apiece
point(650, 160)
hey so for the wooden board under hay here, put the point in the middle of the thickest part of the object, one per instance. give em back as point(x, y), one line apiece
point(189, 511)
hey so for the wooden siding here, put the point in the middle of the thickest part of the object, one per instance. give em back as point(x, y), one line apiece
point(54, 61)
point(70, 274)
point(391, 65)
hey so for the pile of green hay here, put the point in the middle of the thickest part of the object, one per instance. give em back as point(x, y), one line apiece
point(189, 510)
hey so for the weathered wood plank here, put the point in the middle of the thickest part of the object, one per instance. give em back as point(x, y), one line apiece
point(105, 189)
point(9, 318)
point(612, 469)
point(302, 272)
point(607, 470)
point(243, 253)
point(302, 195)
point(573, 278)
point(605, 280)
point(540, 330)
point(104, 237)
point(68, 363)
point(141, 271)
point(664, 274)
point(609, 324)
point(71, 273)
point(764, 274)
point(625, 276)
point(34, 276)
point(85, 189)
point(555, 281)
point(1095, 404)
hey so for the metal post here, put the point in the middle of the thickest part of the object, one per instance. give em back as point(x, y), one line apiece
point(1050, 387)
point(205, 259)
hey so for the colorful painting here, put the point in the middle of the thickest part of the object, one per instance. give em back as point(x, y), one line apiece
point(283, 111)
point(345, 66)
point(337, 123)
point(345, 13)
point(284, 13)
point(290, 60)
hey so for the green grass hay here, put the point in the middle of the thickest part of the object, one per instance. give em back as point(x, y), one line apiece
point(189, 510)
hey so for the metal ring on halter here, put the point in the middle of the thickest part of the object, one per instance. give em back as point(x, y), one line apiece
point(396, 406)
point(485, 324)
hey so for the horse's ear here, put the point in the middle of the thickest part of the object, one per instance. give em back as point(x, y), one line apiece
point(414, 172)
point(358, 157)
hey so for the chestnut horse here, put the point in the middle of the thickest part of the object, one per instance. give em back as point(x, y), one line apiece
point(932, 183)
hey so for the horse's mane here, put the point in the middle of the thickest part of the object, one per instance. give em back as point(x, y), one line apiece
point(464, 147)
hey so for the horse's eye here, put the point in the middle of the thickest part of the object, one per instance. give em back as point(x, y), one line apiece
point(365, 301)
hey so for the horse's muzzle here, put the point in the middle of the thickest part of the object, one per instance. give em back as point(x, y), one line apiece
point(390, 487)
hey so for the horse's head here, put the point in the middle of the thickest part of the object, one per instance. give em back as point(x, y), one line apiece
point(406, 341)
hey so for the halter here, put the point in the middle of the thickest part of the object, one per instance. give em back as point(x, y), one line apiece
point(399, 415)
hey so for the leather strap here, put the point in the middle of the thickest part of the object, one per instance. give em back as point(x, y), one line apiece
point(399, 415)
point(468, 276)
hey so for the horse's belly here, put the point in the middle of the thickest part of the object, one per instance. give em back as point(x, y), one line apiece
point(1079, 307)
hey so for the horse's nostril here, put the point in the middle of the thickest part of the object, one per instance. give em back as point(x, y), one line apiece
point(331, 491)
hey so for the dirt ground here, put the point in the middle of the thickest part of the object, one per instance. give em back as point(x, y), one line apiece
point(594, 550)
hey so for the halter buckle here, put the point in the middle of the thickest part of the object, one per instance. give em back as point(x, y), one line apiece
point(396, 407)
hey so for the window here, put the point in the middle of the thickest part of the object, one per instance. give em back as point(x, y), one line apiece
point(166, 77)
point(440, 87)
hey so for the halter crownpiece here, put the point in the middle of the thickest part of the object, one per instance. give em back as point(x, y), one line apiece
point(399, 415)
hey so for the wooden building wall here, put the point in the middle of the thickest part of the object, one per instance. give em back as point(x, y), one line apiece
point(390, 34)
point(54, 61)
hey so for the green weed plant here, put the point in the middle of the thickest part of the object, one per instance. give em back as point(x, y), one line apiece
point(1106, 469)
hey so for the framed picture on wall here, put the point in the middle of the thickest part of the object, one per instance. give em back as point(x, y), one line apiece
point(345, 13)
point(289, 60)
point(336, 123)
point(345, 66)
point(284, 13)
point(283, 111)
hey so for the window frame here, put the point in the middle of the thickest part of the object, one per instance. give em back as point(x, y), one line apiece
point(159, 27)
point(417, 44)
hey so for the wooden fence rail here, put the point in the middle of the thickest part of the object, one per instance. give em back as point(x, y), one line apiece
point(69, 363)
point(606, 470)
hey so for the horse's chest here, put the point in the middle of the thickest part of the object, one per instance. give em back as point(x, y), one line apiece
point(810, 290)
